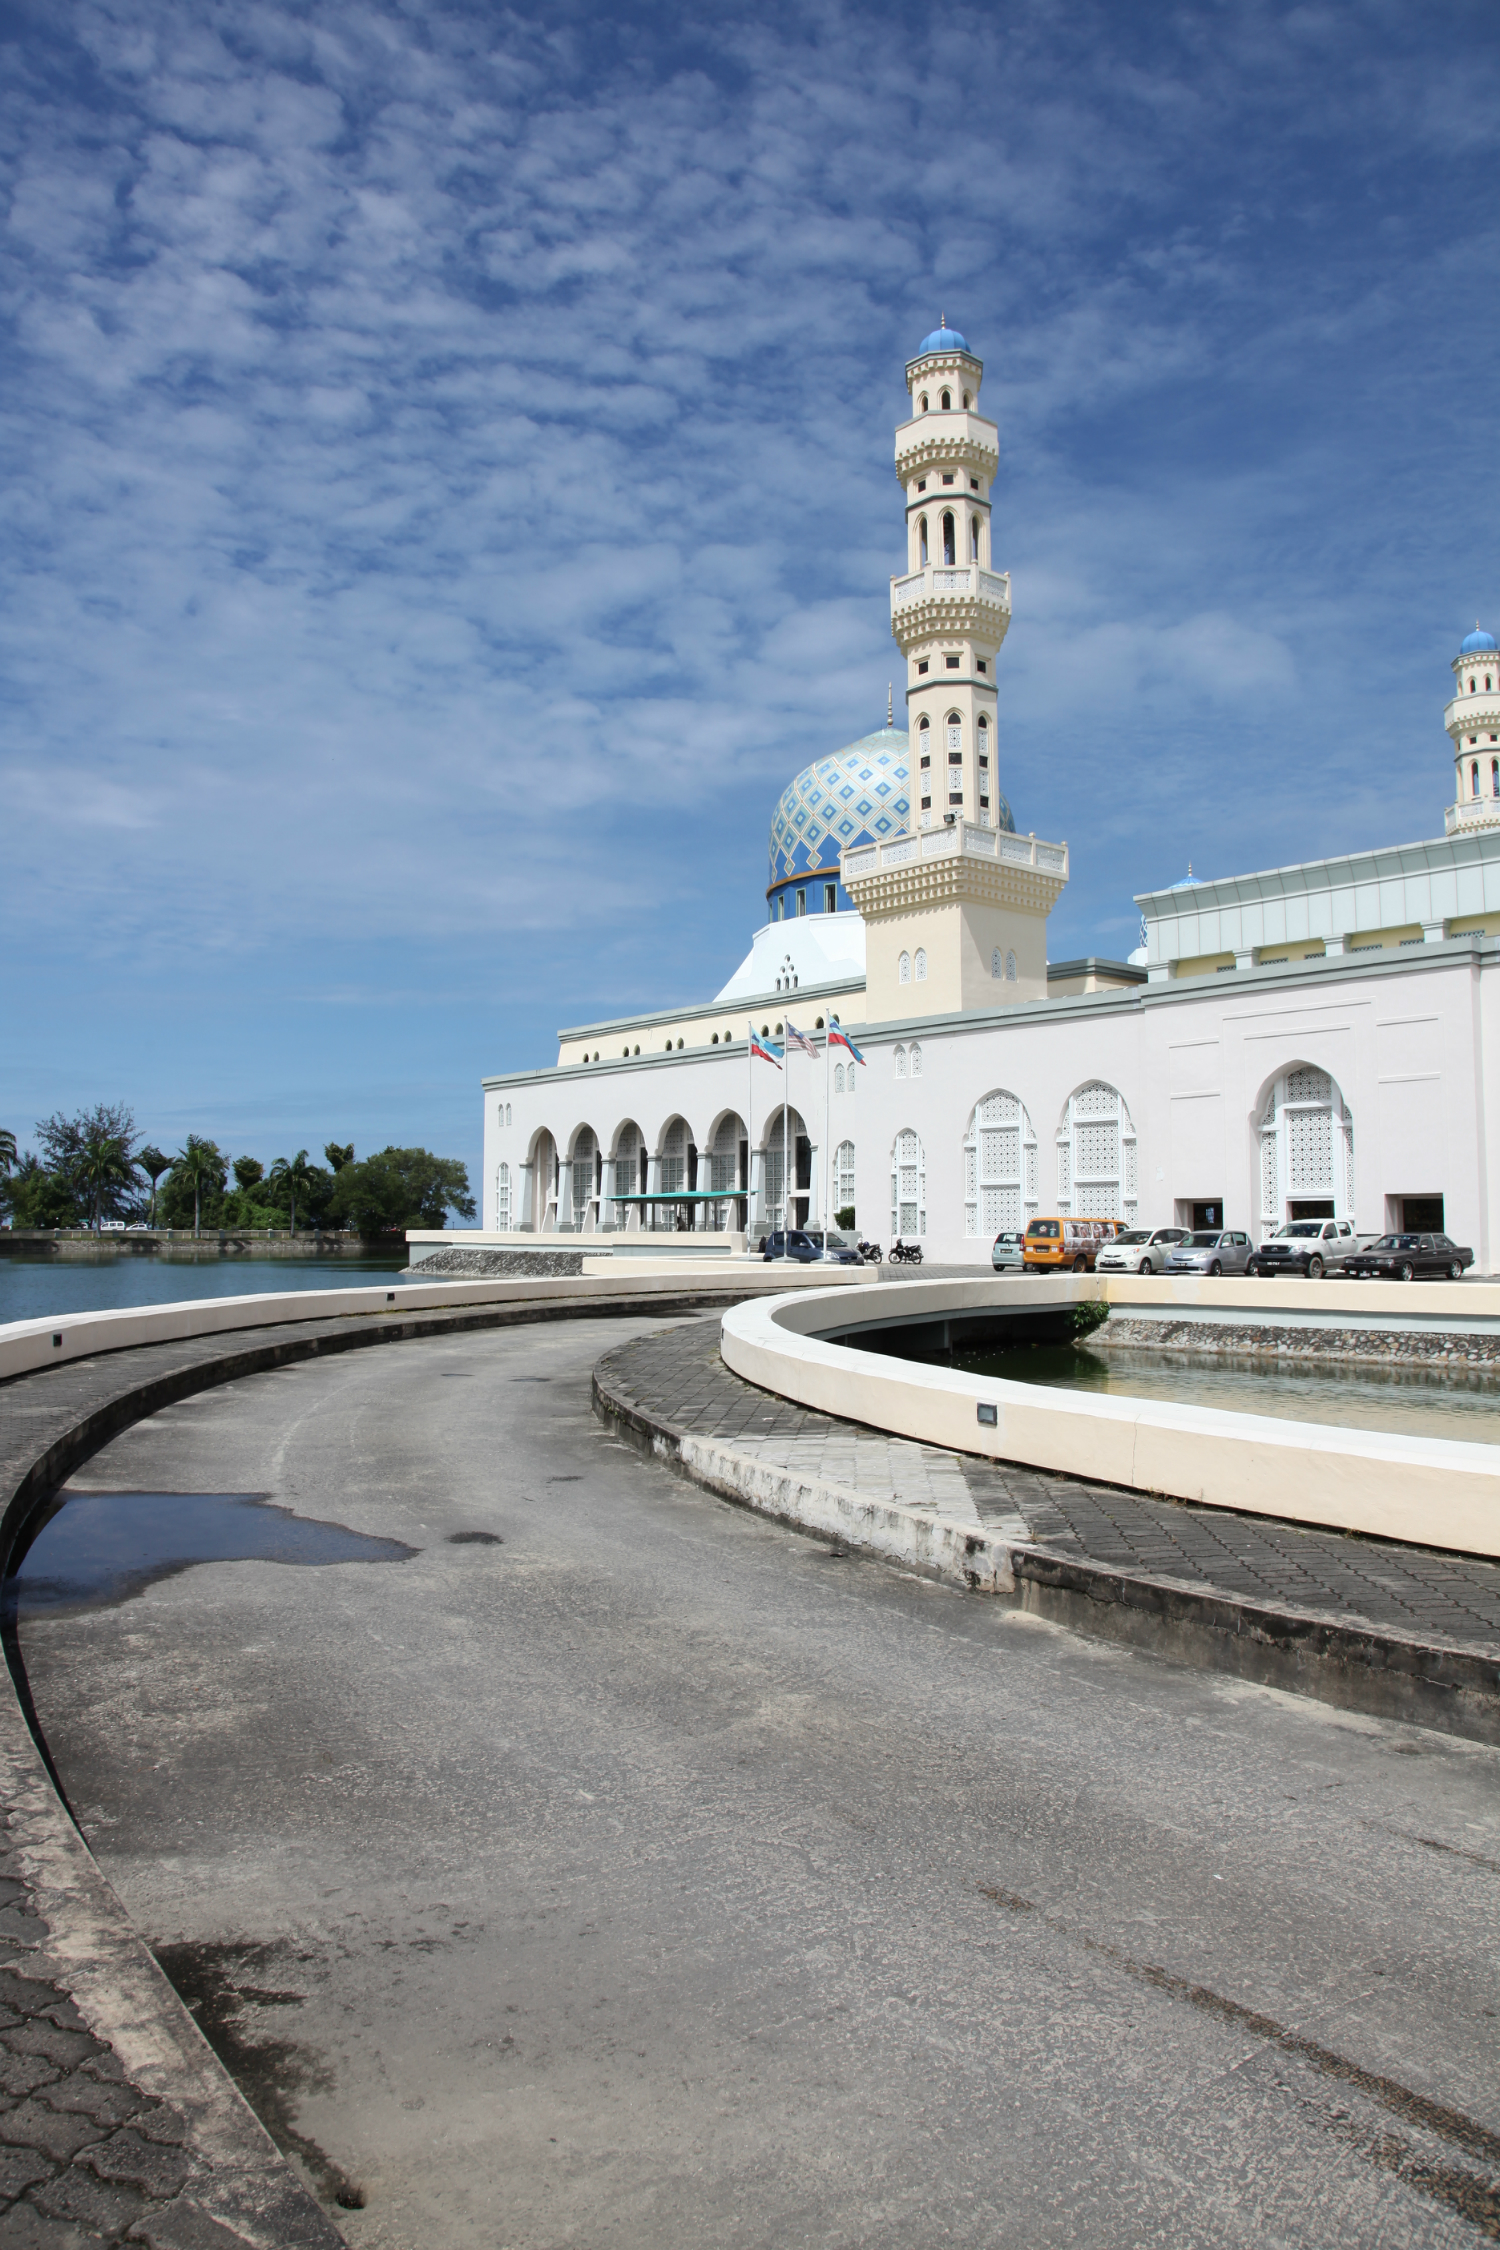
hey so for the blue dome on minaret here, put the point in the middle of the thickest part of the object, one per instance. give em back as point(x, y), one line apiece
point(1477, 643)
point(943, 340)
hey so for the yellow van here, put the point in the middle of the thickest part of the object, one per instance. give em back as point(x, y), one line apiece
point(1056, 1245)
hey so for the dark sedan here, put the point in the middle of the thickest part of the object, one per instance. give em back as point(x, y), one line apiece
point(1401, 1257)
point(809, 1248)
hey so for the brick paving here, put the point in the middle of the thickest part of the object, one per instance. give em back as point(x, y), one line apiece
point(1448, 1600)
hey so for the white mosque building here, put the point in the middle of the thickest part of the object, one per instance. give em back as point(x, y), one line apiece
point(1317, 1039)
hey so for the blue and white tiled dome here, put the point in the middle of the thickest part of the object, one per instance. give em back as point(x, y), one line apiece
point(858, 795)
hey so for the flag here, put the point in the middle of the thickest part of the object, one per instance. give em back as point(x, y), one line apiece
point(798, 1041)
point(767, 1050)
point(840, 1038)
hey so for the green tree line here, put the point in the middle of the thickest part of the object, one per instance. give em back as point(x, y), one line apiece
point(94, 1166)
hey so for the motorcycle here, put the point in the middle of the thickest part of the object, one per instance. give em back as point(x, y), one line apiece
point(870, 1252)
point(906, 1253)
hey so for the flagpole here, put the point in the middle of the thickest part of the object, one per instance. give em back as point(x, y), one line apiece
point(749, 1123)
point(827, 1133)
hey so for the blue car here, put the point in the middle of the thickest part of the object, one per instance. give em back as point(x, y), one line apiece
point(809, 1249)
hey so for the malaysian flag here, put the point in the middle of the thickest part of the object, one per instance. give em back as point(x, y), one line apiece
point(798, 1041)
point(837, 1037)
point(767, 1049)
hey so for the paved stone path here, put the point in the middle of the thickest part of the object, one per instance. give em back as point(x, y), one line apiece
point(1451, 1600)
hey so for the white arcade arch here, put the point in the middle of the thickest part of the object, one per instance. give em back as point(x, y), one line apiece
point(1097, 1168)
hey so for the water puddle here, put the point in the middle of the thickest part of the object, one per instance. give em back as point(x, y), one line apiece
point(100, 1548)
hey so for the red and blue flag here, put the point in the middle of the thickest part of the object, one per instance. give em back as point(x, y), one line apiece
point(767, 1049)
point(837, 1037)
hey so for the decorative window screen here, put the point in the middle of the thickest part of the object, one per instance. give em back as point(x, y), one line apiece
point(502, 1198)
point(908, 1187)
point(723, 1163)
point(1097, 1175)
point(997, 963)
point(900, 1062)
point(955, 741)
point(843, 1176)
point(903, 969)
point(838, 1078)
point(1306, 1146)
point(582, 1182)
point(916, 1060)
point(773, 1181)
point(1000, 1168)
point(674, 1159)
point(921, 964)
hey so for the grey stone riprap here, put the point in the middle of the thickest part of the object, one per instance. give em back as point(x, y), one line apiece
point(483, 1265)
point(1337, 1607)
point(1315, 1346)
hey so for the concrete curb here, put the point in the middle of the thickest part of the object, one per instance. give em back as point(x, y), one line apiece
point(75, 1935)
point(1452, 1689)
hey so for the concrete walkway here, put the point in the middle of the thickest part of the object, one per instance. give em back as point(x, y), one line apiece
point(623, 1869)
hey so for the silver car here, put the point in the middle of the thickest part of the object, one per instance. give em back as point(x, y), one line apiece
point(1009, 1253)
point(1139, 1250)
point(1211, 1250)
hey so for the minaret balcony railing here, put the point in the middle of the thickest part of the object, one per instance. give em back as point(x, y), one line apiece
point(948, 582)
point(1472, 812)
point(961, 841)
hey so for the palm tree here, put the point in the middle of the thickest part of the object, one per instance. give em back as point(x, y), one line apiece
point(295, 1174)
point(153, 1164)
point(103, 1162)
point(7, 1152)
point(199, 1161)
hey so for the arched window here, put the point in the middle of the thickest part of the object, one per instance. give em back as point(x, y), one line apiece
point(1010, 968)
point(507, 1113)
point(1471, 687)
point(1474, 776)
point(922, 541)
point(920, 964)
point(1096, 1155)
point(1486, 683)
point(900, 1062)
point(1000, 1166)
point(502, 1199)
point(997, 963)
point(838, 1078)
point(1495, 777)
point(924, 738)
point(914, 1057)
point(908, 1187)
point(1306, 1148)
point(983, 731)
point(903, 969)
point(948, 554)
point(973, 538)
point(968, 402)
point(947, 400)
point(843, 1178)
point(922, 403)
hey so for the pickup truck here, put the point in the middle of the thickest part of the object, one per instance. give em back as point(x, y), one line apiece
point(1310, 1247)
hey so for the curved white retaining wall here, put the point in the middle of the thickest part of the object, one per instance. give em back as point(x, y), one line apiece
point(1431, 1491)
point(28, 1344)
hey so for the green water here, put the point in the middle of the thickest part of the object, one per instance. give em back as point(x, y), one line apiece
point(1409, 1402)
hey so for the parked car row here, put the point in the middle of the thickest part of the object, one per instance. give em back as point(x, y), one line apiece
point(1309, 1248)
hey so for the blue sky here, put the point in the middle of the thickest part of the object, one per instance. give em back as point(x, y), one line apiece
point(448, 491)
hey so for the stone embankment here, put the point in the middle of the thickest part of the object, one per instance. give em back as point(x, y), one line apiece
point(483, 1265)
point(179, 1242)
point(1331, 1347)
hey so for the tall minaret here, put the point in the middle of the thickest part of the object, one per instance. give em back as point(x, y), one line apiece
point(1473, 722)
point(950, 610)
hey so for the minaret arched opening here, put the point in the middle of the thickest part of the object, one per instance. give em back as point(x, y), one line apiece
point(947, 401)
point(922, 541)
point(948, 553)
point(973, 538)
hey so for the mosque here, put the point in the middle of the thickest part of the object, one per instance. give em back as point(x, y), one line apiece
point(1311, 1040)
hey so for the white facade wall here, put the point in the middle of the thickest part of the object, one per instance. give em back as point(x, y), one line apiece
point(1411, 1039)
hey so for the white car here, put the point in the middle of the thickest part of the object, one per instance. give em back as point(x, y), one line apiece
point(1008, 1254)
point(1139, 1250)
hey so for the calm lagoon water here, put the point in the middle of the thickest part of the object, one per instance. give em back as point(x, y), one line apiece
point(1411, 1402)
point(41, 1289)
